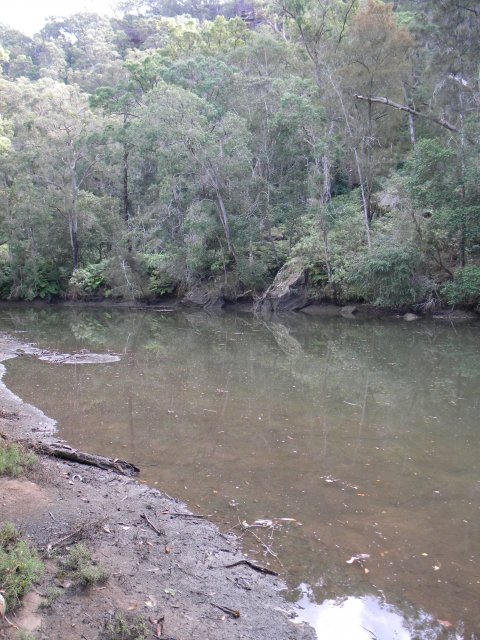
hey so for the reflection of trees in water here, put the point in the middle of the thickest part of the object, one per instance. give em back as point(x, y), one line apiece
point(209, 401)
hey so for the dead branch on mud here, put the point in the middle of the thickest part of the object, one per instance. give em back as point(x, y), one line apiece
point(63, 451)
point(255, 567)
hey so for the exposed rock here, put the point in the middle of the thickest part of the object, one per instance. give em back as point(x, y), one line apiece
point(288, 290)
point(206, 296)
point(349, 311)
point(322, 310)
point(411, 317)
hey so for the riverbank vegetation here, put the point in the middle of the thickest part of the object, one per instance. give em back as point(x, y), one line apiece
point(186, 143)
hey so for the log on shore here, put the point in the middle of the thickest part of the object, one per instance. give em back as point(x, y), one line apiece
point(63, 451)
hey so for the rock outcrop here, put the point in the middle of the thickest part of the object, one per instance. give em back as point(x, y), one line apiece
point(287, 292)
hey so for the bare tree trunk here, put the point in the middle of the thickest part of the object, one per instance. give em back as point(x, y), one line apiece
point(411, 121)
point(225, 224)
point(326, 197)
point(73, 217)
point(366, 213)
point(126, 198)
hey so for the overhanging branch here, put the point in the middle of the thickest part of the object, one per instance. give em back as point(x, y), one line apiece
point(407, 109)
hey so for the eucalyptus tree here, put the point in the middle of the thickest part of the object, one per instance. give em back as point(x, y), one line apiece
point(55, 140)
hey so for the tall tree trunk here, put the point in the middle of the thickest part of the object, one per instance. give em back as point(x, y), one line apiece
point(73, 216)
point(222, 211)
point(126, 197)
point(74, 243)
point(365, 206)
point(411, 120)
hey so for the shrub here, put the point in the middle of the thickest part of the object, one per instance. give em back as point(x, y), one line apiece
point(465, 288)
point(386, 275)
point(88, 280)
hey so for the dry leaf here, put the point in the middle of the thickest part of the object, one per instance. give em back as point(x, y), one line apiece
point(170, 591)
point(151, 602)
point(3, 606)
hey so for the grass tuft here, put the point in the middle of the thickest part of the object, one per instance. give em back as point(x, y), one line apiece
point(79, 566)
point(122, 627)
point(15, 459)
point(20, 566)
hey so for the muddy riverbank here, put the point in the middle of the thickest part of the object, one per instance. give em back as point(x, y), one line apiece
point(176, 572)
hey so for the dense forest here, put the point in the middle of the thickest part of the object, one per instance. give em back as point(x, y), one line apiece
point(197, 143)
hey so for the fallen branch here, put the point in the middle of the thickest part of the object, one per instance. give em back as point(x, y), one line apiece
point(254, 566)
point(266, 547)
point(151, 525)
point(233, 612)
point(178, 514)
point(74, 536)
point(73, 455)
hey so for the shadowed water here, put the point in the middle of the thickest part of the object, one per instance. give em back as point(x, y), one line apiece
point(366, 434)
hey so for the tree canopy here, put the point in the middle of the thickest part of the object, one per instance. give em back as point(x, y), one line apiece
point(198, 142)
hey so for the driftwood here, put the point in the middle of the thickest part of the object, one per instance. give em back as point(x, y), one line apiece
point(63, 451)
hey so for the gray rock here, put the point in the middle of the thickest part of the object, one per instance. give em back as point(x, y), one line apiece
point(288, 290)
point(203, 296)
point(349, 311)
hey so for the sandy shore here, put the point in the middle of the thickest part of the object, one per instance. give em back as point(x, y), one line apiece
point(166, 567)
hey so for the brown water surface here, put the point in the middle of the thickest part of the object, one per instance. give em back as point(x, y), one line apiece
point(367, 434)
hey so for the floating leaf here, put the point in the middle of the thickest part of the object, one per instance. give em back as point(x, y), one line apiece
point(445, 623)
point(358, 558)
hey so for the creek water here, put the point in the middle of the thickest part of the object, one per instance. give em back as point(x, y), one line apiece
point(351, 437)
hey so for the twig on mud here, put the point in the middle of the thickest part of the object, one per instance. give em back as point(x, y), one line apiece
point(233, 612)
point(178, 514)
point(254, 566)
point(151, 525)
point(74, 536)
point(266, 547)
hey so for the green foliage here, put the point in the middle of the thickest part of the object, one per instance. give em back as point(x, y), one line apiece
point(144, 154)
point(159, 270)
point(20, 566)
point(88, 280)
point(465, 288)
point(386, 275)
point(78, 565)
point(14, 459)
